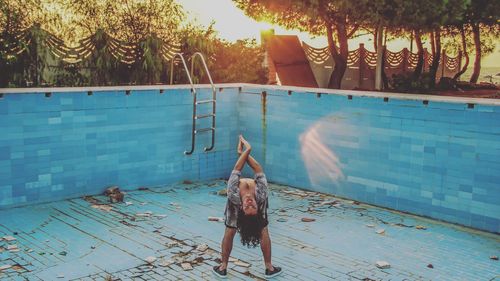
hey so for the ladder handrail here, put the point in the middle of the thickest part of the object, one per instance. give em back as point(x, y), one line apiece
point(180, 55)
point(193, 57)
point(200, 55)
point(193, 90)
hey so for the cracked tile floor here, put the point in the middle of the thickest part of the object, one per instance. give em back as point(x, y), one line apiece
point(90, 239)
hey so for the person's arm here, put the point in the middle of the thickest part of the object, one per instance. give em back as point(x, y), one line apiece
point(244, 155)
point(256, 167)
point(233, 191)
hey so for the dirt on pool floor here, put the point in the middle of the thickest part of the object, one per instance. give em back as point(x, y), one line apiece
point(165, 234)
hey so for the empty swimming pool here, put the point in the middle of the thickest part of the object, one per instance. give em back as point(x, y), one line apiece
point(426, 155)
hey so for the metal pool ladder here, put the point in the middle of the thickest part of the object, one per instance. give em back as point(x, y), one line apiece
point(212, 101)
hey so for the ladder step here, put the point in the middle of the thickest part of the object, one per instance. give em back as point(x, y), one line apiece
point(204, 116)
point(204, 130)
point(205, 101)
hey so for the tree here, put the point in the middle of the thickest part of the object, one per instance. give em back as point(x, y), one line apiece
point(139, 28)
point(16, 36)
point(318, 17)
point(241, 61)
point(127, 20)
point(420, 18)
point(451, 12)
point(482, 14)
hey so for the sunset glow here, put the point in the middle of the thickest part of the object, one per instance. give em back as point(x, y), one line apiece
point(232, 24)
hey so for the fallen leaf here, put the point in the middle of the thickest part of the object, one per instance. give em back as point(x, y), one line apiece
point(8, 238)
point(186, 266)
point(106, 208)
point(143, 215)
point(150, 259)
point(331, 202)
point(202, 247)
point(5, 266)
point(17, 267)
point(421, 227)
point(308, 219)
point(165, 263)
point(241, 263)
point(172, 244)
point(215, 219)
point(382, 264)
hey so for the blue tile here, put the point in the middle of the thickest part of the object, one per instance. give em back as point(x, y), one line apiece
point(442, 149)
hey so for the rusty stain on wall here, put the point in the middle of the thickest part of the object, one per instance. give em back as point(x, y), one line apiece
point(264, 124)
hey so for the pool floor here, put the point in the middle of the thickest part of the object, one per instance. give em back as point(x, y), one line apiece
point(89, 239)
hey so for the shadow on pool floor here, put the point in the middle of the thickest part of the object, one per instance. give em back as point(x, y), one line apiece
point(87, 239)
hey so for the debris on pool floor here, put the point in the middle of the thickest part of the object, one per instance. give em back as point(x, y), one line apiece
point(174, 233)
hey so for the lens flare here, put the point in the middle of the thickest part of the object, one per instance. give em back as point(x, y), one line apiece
point(322, 163)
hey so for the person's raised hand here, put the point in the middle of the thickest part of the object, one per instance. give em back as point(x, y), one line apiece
point(245, 142)
point(239, 148)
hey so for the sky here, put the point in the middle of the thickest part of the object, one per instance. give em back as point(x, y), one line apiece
point(232, 24)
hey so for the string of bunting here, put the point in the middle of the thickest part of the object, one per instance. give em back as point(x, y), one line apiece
point(392, 59)
point(353, 57)
point(124, 52)
point(316, 55)
point(370, 58)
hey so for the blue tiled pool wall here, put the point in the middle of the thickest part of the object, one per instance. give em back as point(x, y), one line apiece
point(72, 144)
point(440, 160)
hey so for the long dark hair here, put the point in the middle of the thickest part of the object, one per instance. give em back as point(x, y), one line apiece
point(250, 228)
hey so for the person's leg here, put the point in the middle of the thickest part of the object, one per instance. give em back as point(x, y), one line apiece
point(227, 246)
point(265, 246)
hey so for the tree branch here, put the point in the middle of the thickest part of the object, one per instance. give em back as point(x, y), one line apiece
point(353, 30)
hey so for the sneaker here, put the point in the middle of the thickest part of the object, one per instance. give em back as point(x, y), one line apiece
point(272, 273)
point(220, 273)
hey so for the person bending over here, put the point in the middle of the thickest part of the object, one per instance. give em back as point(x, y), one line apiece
point(246, 212)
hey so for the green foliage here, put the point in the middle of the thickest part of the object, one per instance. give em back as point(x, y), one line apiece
point(101, 65)
point(30, 67)
point(241, 61)
point(148, 69)
point(127, 20)
point(227, 62)
point(146, 24)
point(70, 75)
point(406, 83)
